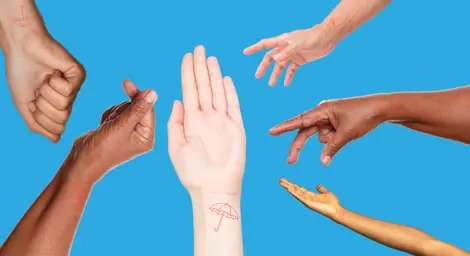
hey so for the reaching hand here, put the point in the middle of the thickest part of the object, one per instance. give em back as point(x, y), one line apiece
point(206, 138)
point(325, 203)
point(127, 130)
point(297, 48)
point(337, 123)
point(44, 80)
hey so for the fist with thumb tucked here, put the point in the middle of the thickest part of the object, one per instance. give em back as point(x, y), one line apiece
point(127, 130)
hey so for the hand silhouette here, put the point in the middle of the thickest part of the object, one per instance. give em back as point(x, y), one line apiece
point(206, 138)
point(325, 203)
point(297, 48)
point(126, 131)
point(44, 80)
point(337, 122)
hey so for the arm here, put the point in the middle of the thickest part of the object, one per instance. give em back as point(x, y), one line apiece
point(126, 131)
point(207, 146)
point(348, 16)
point(400, 237)
point(440, 113)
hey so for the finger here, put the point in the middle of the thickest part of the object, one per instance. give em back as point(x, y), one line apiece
point(56, 99)
point(332, 147)
point(47, 123)
point(57, 116)
point(217, 83)
point(286, 53)
point(130, 88)
point(233, 104)
point(139, 107)
point(296, 195)
point(277, 71)
point(75, 76)
point(285, 183)
point(322, 189)
point(121, 108)
point(290, 73)
point(60, 85)
point(301, 121)
point(189, 86)
point(176, 136)
point(26, 112)
point(261, 45)
point(202, 79)
point(143, 134)
point(107, 113)
point(265, 63)
point(299, 142)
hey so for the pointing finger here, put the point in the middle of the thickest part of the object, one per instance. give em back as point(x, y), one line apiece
point(261, 45)
point(301, 121)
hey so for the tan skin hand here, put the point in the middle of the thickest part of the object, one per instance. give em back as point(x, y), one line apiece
point(126, 131)
point(291, 50)
point(325, 203)
point(337, 122)
point(44, 79)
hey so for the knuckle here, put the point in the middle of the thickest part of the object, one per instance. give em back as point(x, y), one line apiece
point(333, 147)
point(62, 104)
point(139, 110)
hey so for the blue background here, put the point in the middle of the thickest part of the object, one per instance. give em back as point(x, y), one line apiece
point(140, 208)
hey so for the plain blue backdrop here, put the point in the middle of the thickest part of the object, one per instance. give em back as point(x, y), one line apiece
point(141, 208)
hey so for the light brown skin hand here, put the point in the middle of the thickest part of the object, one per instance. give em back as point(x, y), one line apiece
point(297, 48)
point(325, 203)
point(44, 80)
point(126, 131)
point(337, 122)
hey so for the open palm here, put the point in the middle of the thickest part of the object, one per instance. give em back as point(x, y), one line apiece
point(325, 203)
point(207, 143)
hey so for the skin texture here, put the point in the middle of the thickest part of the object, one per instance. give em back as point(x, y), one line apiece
point(49, 226)
point(294, 49)
point(338, 122)
point(207, 146)
point(399, 237)
point(43, 77)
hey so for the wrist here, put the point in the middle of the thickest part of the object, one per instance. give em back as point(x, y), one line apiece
point(329, 31)
point(80, 169)
point(340, 215)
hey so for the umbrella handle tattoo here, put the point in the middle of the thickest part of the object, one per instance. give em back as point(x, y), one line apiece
point(220, 222)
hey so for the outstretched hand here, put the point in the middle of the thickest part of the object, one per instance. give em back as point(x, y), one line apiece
point(337, 122)
point(206, 138)
point(325, 203)
point(126, 131)
point(297, 48)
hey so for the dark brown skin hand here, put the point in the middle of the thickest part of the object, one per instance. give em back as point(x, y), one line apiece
point(337, 122)
point(127, 130)
point(325, 203)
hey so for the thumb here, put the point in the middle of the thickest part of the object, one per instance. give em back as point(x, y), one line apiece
point(338, 141)
point(176, 136)
point(140, 106)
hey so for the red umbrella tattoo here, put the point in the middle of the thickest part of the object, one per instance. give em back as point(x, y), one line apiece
point(224, 210)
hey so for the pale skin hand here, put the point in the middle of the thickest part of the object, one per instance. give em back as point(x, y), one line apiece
point(207, 146)
point(294, 49)
point(396, 236)
point(43, 77)
point(49, 226)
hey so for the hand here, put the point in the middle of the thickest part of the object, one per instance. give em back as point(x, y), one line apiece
point(337, 122)
point(44, 80)
point(206, 138)
point(126, 131)
point(326, 203)
point(297, 48)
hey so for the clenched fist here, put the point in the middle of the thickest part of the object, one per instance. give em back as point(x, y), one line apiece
point(127, 130)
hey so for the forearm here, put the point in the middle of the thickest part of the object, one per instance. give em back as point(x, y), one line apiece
point(400, 237)
point(49, 226)
point(349, 15)
point(441, 113)
point(217, 225)
point(18, 18)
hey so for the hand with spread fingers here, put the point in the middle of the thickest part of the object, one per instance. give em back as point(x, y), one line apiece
point(43, 77)
point(126, 131)
point(207, 146)
point(206, 138)
point(396, 236)
point(337, 122)
point(325, 203)
point(294, 49)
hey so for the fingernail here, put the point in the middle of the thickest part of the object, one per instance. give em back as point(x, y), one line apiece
point(32, 106)
point(150, 96)
point(326, 160)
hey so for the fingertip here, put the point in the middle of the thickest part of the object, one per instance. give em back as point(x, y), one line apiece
point(326, 160)
point(150, 96)
point(199, 48)
point(56, 73)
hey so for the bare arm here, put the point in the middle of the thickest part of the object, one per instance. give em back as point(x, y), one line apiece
point(400, 237)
